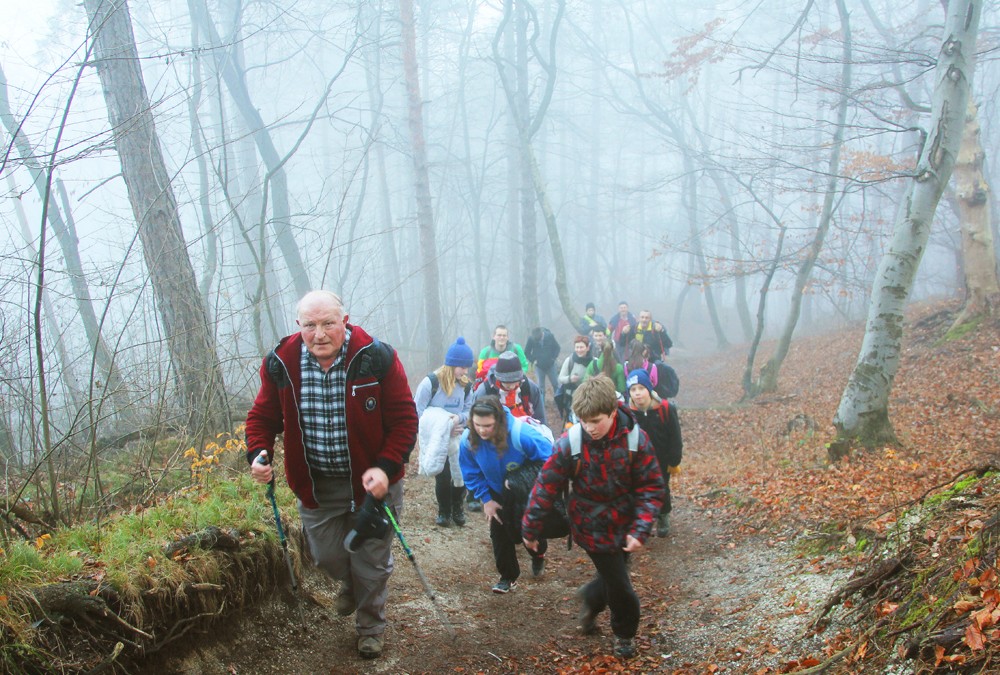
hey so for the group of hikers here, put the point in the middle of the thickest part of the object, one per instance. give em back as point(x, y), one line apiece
point(341, 399)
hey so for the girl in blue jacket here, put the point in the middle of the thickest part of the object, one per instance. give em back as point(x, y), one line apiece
point(496, 442)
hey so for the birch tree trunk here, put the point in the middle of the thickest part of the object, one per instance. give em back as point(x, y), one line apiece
point(863, 413)
point(982, 290)
point(425, 214)
point(185, 320)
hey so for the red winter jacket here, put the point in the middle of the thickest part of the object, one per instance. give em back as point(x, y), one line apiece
point(616, 492)
point(381, 415)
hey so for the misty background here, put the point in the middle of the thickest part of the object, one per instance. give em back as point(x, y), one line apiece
point(527, 158)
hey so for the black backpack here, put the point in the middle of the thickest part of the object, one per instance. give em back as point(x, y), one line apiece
point(374, 361)
point(667, 382)
point(517, 490)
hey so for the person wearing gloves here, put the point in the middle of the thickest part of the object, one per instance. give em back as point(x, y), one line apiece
point(659, 419)
point(496, 442)
point(616, 494)
point(443, 400)
point(343, 403)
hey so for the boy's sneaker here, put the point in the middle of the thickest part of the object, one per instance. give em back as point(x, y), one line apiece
point(475, 505)
point(624, 648)
point(504, 586)
point(442, 520)
point(537, 566)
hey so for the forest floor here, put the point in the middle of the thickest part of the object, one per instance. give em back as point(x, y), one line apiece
point(764, 529)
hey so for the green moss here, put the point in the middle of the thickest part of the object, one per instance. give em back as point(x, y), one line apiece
point(960, 331)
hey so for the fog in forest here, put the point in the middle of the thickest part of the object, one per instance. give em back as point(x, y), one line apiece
point(177, 174)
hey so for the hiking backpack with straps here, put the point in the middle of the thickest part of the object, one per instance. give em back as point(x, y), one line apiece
point(373, 361)
point(435, 384)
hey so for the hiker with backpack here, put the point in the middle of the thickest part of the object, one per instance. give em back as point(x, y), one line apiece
point(664, 378)
point(616, 487)
point(443, 401)
point(343, 403)
point(506, 380)
point(541, 350)
point(648, 332)
point(572, 373)
point(659, 419)
point(607, 364)
point(497, 442)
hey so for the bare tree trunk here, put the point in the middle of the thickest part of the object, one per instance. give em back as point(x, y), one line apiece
point(528, 302)
point(425, 215)
point(527, 127)
point(982, 290)
point(863, 413)
point(198, 149)
point(690, 200)
point(70, 381)
point(65, 231)
point(515, 157)
point(182, 311)
point(768, 380)
point(233, 74)
point(749, 391)
point(390, 266)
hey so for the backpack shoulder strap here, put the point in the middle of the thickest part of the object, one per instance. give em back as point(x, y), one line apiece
point(633, 438)
point(575, 434)
point(276, 369)
point(434, 383)
point(515, 434)
point(375, 361)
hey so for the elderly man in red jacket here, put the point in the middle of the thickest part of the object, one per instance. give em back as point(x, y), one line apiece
point(343, 402)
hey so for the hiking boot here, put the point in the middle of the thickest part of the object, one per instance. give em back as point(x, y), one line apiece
point(370, 646)
point(662, 524)
point(624, 647)
point(504, 586)
point(537, 566)
point(345, 604)
point(442, 520)
point(457, 506)
point(475, 505)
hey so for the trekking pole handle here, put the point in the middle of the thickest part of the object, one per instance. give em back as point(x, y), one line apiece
point(264, 460)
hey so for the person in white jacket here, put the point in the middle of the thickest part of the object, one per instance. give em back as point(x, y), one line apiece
point(445, 392)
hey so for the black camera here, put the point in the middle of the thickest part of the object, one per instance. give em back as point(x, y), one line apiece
point(370, 522)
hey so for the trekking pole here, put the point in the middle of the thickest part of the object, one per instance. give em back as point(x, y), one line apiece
point(423, 580)
point(262, 458)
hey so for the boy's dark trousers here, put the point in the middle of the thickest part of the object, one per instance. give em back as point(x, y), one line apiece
point(613, 588)
point(505, 548)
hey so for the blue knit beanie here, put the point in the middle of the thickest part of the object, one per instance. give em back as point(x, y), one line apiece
point(639, 376)
point(459, 354)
